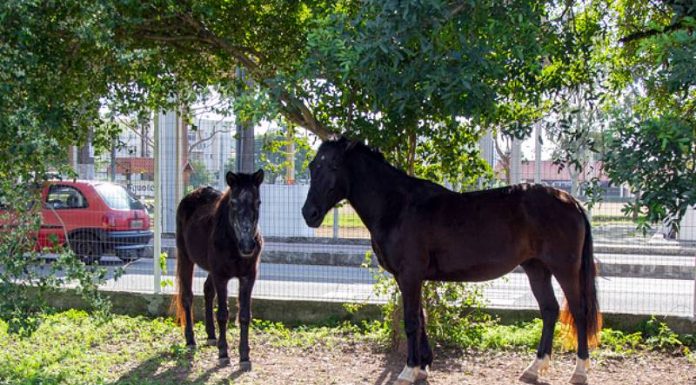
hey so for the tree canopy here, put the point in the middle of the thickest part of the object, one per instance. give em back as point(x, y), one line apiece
point(422, 80)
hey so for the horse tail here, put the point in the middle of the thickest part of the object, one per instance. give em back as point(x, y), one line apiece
point(184, 273)
point(588, 296)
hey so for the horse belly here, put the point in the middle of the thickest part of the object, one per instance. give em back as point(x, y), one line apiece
point(458, 268)
point(197, 246)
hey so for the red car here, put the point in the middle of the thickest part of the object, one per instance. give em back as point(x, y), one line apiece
point(96, 218)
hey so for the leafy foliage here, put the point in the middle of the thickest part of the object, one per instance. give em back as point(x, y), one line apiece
point(273, 156)
point(651, 144)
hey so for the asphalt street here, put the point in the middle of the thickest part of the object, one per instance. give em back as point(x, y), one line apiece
point(340, 283)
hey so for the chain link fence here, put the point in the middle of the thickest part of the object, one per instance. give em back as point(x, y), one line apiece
point(651, 272)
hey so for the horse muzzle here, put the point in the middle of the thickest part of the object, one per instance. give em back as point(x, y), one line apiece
point(246, 249)
point(312, 216)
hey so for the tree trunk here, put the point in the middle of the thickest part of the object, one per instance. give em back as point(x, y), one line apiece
point(290, 155)
point(411, 156)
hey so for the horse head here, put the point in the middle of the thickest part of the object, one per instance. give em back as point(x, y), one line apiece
point(329, 180)
point(244, 201)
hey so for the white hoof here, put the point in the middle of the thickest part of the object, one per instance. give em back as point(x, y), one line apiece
point(536, 369)
point(408, 376)
point(579, 377)
point(211, 342)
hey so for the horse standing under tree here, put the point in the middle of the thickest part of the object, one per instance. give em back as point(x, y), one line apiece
point(219, 233)
point(422, 231)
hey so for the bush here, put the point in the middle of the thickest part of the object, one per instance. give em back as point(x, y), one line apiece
point(26, 278)
point(454, 310)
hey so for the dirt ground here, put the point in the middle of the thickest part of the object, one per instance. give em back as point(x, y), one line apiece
point(361, 363)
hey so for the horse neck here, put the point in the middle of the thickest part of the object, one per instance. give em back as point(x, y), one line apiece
point(222, 232)
point(371, 183)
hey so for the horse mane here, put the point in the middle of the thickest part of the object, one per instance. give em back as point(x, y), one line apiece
point(376, 155)
point(222, 236)
point(372, 152)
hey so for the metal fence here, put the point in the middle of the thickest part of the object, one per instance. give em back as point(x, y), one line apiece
point(640, 273)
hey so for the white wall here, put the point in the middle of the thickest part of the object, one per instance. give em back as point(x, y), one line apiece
point(281, 211)
point(687, 227)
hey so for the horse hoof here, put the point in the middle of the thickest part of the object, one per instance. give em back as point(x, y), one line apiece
point(211, 342)
point(224, 361)
point(191, 347)
point(578, 379)
point(402, 382)
point(422, 374)
point(245, 366)
point(529, 377)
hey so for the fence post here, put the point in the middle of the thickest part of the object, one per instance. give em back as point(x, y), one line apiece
point(694, 309)
point(537, 153)
point(157, 247)
point(335, 223)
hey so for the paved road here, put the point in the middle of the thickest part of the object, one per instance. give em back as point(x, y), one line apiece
point(338, 283)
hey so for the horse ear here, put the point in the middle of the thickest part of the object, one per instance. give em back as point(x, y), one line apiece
point(258, 177)
point(351, 144)
point(231, 178)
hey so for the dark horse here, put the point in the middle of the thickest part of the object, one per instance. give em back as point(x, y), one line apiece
point(422, 231)
point(219, 233)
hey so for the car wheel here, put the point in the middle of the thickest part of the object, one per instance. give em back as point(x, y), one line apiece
point(129, 257)
point(87, 248)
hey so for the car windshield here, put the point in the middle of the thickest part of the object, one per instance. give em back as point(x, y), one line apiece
point(118, 197)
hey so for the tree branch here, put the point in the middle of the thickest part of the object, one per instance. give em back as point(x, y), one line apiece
point(170, 38)
point(206, 139)
point(652, 32)
point(292, 108)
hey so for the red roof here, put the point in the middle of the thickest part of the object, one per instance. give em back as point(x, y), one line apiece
point(135, 165)
point(553, 172)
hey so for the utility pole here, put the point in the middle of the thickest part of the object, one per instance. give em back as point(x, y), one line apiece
point(515, 161)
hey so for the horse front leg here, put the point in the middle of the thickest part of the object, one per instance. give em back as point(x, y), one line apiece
point(411, 296)
point(246, 284)
point(223, 316)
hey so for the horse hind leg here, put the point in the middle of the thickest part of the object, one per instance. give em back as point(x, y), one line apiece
point(209, 294)
point(184, 298)
point(576, 314)
point(540, 281)
point(426, 351)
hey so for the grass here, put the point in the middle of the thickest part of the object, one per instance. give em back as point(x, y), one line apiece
point(347, 218)
point(74, 347)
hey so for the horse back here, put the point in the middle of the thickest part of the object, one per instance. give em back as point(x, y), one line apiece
point(194, 223)
point(484, 234)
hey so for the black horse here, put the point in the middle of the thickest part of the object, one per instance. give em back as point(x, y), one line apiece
point(219, 233)
point(422, 231)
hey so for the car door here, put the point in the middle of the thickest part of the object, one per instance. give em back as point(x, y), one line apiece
point(64, 209)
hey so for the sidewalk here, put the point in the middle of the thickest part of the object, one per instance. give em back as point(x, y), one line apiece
point(666, 261)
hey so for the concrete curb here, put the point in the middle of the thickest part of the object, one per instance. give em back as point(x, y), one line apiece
point(298, 312)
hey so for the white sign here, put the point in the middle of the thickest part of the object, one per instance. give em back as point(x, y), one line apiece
point(142, 188)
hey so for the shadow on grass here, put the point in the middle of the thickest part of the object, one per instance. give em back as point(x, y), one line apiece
point(176, 369)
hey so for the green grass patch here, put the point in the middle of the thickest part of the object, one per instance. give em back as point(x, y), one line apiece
point(346, 219)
